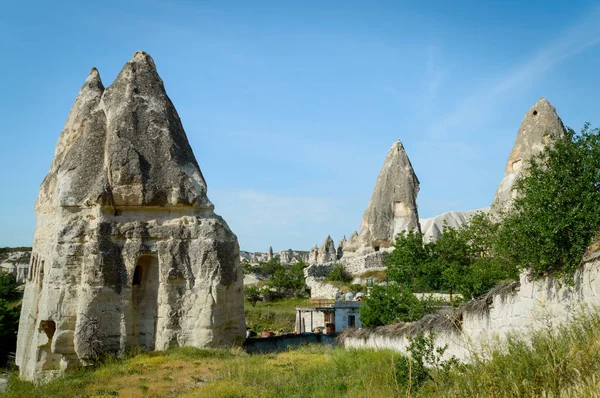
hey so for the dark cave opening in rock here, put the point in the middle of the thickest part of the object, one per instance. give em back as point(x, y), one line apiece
point(144, 297)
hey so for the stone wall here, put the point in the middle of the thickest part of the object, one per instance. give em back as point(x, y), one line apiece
point(517, 308)
point(355, 266)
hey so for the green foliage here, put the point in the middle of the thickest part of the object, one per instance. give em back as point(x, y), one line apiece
point(552, 362)
point(413, 263)
point(9, 324)
point(277, 315)
point(290, 277)
point(8, 286)
point(461, 260)
point(556, 215)
point(252, 294)
point(414, 370)
point(391, 303)
point(269, 268)
point(339, 274)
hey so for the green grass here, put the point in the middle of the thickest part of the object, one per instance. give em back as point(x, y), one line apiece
point(276, 315)
point(555, 362)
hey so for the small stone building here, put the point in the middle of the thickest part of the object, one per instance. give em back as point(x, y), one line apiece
point(330, 318)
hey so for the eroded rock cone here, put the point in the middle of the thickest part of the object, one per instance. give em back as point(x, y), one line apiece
point(327, 251)
point(313, 256)
point(127, 249)
point(540, 128)
point(393, 206)
point(340, 247)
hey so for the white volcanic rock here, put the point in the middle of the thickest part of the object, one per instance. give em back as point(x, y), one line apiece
point(540, 127)
point(127, 251)
point(433, 227)
point(288, 256)
point(340, 247)
point(393, 206)
point(16, 263)
point(313, 256)
point(327, 251)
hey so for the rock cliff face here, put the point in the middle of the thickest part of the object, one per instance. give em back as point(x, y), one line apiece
point(313, 256)
point(127, 249)
point(433, 227)
point(16, 262)
point(327, 251)
point(340, 247)
point(540, 127)
point(393, 206)
point(288, 256)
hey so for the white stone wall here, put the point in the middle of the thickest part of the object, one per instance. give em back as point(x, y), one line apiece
point(307, 320)
point(533, 306)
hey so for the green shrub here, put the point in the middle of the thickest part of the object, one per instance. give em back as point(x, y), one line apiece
point(252, 294)
point(391, 303)
point(461, 260)
point(556, 214)
point(339, 274)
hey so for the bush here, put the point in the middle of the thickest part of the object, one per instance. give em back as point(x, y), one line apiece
point(462, 260)
point(391, 303)
point(9, 325)
point(8, 286)
point(339, 274)
point(556, 215)
point(252, 294)
point(425, 358)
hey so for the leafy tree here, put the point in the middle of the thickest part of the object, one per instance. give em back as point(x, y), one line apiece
point(413, 263)
point(389, 304)
point(461, 259)
point(8, 286)
point(9, 324)
point(289, 280)
point(556, 215)
point(252, 294)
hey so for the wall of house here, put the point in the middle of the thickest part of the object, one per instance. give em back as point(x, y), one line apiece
point(533, 305)
point(309, 319)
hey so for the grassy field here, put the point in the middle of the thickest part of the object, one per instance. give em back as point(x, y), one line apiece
point(276, 316)
point(549, 363)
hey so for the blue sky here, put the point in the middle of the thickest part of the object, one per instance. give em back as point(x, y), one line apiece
point(291, 107)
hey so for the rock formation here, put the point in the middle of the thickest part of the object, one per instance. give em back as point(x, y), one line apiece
point(270, 254)
point(16, 262)
point(327, 251)
point(433, 227)
point(288, 256)
point(393, 206)
point(540, 127)
point(127, 251)
point(313, 256)
point(340, 248)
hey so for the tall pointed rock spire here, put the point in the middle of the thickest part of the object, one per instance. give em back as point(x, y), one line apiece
point(541, 126)
point(126, 237)
point(393, 206)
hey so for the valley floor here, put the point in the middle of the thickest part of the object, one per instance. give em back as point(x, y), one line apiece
point(563, 362)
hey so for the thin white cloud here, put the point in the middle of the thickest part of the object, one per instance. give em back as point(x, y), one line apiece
point(578, 38)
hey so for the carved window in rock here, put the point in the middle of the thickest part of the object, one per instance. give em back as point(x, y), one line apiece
point(517, 164)
point(400, 209)
point(49, 328)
